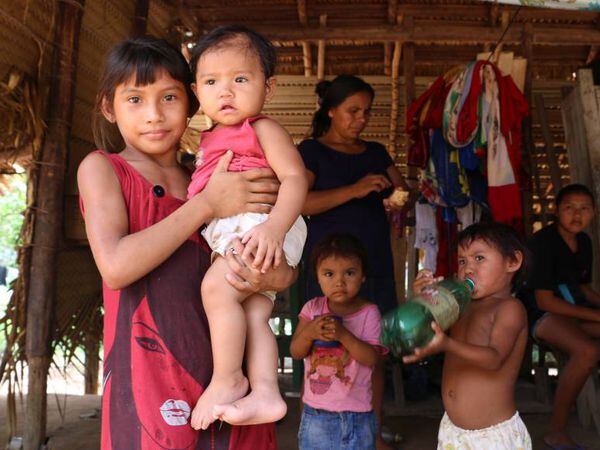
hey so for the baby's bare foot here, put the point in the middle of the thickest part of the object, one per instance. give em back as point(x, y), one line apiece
point(260, 406)
point(219, 391)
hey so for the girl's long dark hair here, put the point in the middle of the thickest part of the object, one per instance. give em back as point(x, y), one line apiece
point(141, 58)
point(333, 93)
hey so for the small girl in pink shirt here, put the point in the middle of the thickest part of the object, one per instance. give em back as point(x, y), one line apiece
point(338, 337)
point(233, 69)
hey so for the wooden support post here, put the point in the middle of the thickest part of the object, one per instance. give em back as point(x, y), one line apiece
point(395, 100)
point(321, 50)
point(528, 146)
point(410, 93)
point(307, 59)
point(551, 156)
point(504, 21)
point(49, 195)
point(591, 117)
point(92, 364)
point(140, 18)
point(388, 46)
point(409, 67)
point(306, 52)
point(302, 17)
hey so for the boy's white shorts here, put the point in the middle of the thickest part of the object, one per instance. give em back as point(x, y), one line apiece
point(508, 435)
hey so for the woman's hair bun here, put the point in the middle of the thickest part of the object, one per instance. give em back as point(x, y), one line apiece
point(322, 87)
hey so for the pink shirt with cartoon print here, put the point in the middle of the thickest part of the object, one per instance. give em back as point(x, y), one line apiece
point(333, 381)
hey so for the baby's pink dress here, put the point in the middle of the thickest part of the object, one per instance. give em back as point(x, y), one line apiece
point(240, 139)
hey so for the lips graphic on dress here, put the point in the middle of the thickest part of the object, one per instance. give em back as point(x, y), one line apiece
point(175, 412)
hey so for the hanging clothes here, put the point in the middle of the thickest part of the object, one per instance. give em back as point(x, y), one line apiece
point(426, 234)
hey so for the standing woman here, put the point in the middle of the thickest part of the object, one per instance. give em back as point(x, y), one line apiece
point(349, 181)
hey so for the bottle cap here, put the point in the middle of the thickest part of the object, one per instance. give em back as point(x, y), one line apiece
point(470, 284)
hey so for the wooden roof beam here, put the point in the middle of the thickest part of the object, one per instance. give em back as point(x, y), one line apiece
point(474, 12)
point(447, 34)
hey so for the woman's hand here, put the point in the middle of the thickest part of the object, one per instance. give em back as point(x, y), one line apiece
point(370, 183)
point(436, 345)
point(423, 279)
point(247, 279)
point(231, 193)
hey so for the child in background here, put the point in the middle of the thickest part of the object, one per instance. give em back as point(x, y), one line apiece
point(563, 308)
point(338, 337)
point(485, 346)
point(233, 69)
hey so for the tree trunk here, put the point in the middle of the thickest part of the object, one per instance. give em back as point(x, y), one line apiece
point(49, 216)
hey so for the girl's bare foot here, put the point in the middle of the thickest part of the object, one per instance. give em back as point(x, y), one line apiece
point(260, 406)
point(219, 391)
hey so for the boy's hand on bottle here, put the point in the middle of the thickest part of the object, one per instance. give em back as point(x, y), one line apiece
point(436, 345)
point(423, 279)
point(265, 242)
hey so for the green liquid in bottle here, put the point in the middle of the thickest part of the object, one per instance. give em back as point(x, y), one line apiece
point(409, 325)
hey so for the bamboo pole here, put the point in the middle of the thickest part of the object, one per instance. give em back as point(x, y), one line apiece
point(302, 17)
point(551, 156)
point(388, 49)
point(306, 51)
point(395, 99)
point(321, 50)
point(388, 46)
point(528, 145)
point(49, 194)
point(307, 59)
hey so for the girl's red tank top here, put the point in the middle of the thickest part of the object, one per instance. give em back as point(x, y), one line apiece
point(157, 353)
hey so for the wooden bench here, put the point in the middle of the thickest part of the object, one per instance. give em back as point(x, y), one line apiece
point(588, 400)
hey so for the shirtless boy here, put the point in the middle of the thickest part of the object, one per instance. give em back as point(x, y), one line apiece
point(485, 346)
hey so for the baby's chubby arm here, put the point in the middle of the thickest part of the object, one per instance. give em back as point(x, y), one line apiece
point(265, 241)
point(509, 322)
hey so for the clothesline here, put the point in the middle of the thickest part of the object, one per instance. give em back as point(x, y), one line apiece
point(581, 5)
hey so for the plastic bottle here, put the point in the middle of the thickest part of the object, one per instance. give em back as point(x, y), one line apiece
point(409, 325)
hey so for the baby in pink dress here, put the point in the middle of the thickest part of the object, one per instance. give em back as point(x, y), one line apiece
point(233, 70)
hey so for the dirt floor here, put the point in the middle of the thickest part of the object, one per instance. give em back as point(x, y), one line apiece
point(418, 430)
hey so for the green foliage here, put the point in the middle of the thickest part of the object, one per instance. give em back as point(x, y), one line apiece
point(12, 205)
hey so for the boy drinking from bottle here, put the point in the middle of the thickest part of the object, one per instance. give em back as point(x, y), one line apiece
point(484, 348)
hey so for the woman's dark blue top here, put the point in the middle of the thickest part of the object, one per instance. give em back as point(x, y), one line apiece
point(364, 217)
